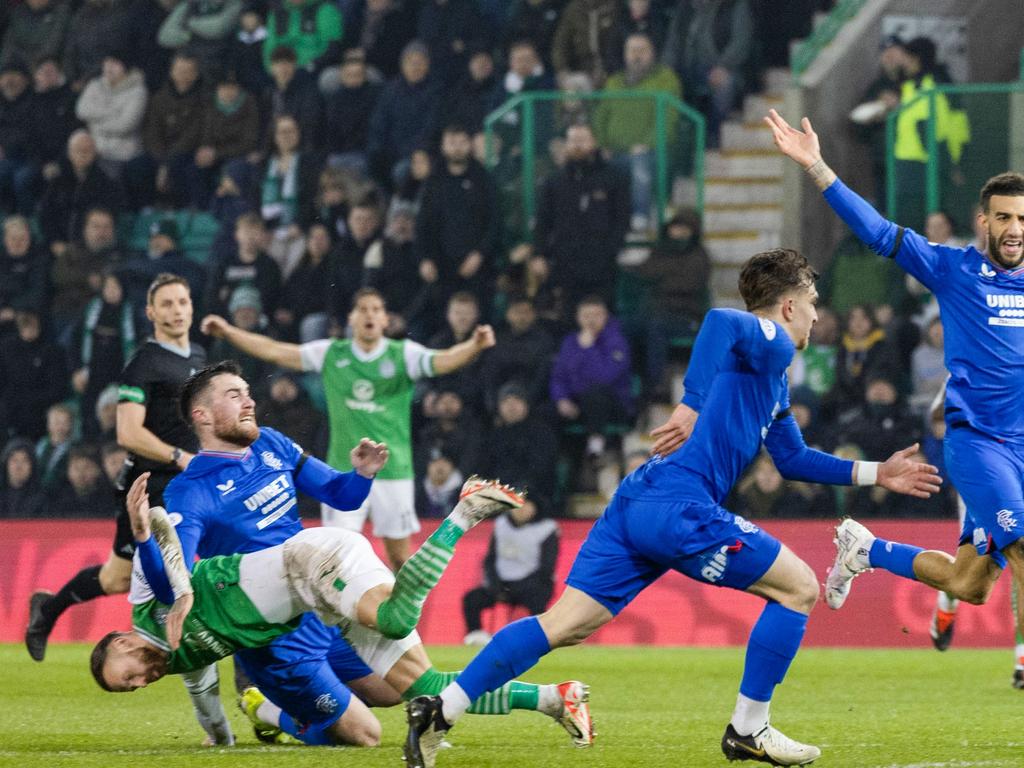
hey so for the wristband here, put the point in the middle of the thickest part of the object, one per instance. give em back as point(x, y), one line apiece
point(867, 472)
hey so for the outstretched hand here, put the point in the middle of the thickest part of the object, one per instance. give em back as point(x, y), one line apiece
point(900, 473)
point(368, 458)
point(801, 146)
point(137, 504)
point(174, 622)
point(214, 325)
point(483, 337)
point(674, 432)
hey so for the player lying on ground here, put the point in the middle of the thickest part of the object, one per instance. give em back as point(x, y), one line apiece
point(239, 495)
point(245, 600)
point(667, 514)
point(980, 296)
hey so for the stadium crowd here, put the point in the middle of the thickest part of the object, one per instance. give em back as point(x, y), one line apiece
point(325, 146)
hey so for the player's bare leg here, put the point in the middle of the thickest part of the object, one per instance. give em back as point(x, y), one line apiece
point(1014, 554)
point(397, 551)
point(968, 576)
point(791, 590)
point(115, 575)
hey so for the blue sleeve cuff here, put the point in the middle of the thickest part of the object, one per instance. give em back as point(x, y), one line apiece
point(341, 490)
point(154, 570)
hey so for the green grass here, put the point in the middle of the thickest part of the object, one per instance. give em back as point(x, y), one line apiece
point(652, 707)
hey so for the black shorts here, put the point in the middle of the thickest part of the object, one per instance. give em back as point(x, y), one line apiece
point(124, 541)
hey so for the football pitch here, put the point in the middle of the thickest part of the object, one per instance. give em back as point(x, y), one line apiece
point(652, 707)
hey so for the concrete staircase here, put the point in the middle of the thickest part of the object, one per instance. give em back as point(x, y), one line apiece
point(742, 191)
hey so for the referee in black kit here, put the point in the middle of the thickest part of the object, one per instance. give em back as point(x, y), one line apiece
point(150, 428)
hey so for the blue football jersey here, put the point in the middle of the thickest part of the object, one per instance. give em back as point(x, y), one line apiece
point(982, 309)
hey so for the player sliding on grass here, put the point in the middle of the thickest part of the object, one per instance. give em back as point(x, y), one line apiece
point(981, 297)
point(668, 515)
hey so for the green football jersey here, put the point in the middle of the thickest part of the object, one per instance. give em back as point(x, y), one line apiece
point(370, 396)
point(222, 620)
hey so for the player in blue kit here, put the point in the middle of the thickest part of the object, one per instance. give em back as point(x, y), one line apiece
point(981, 297)
point(239, 497)
point(667, 514)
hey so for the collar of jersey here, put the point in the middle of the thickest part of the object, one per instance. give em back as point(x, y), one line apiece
point(373, 354)
point(185, 353)
point(237, 455)
point(1001, 270)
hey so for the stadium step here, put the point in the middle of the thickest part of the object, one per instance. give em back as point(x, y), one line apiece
point(738, 135)
point(752, 163)
point(732, 217)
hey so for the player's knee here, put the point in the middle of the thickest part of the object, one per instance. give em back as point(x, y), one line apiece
point(973, 592)
point(362, 731)
point(114, 581)
point(804, 590)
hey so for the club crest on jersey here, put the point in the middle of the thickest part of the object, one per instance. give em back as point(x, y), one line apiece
point(387, 369)
point(271, 460)
point(326, 703)
point(175, 518)
point(1006, 520)
point(986, 270)
point(362, 390)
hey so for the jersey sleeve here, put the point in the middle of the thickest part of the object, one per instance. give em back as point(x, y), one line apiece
point(925, 261)
point(313, 354)
point(133, 387)
point(186, 509)
point(419, 361)
point(341, 490)
point(795, 461)
point(758, 341)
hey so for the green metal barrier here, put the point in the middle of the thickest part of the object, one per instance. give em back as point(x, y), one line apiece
point(808, 49)
point(522, 137)
point(943, 181)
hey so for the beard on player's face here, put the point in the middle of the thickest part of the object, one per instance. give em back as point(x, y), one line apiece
point(1011, 260)
point(239, 429)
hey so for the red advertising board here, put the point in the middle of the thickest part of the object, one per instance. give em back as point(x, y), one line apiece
point(883, 610)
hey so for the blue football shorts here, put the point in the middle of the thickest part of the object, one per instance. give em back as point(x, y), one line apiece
point(989, 474)
point(304, 672)
point(636, 541)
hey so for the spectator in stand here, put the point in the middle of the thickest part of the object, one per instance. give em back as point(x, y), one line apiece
point(439, 491)
point(814, 368)
point(20, 494)
point(628, 127)
point(77, 272)
point(590, 382)
point(678, 272)
point(113, 106)
point(890, 506)
point(347, 115)
point(452, 430)
point(302, 314)
point(53, 450)
point(881, 421)
point(78, 187)
point(245, 52)
point(53, 447)
point(709, 44)
point(19, 171)
point(162, 255)
point(526, 72)
point(53, 107)
point(85, 492)
point(245, 311)
point(404, 117)
point(534, 21)
point(145, 17)
point(348, 256)
point(382, 28)
point(204, 28)
point(529, 275)
point(285, 189)
point(762, 493)
point(33, 376)
point(458, 224)
point(449, 28)
point(861, 351)
point(582, 218)
point(522, 355)
point(250, 265)
point(421, 166)
point(331, 202)
point(230, 130)
point(104, 342)
point(519, 568)
point(461, 316)
point(395, 274)
point(172, 128)
point(112, 458)
point(522, 448)
point(643, 17)
point(928, 367)
point(312, 28)
point(37, 31)
point(472, 98)
point(586, 41)
point(856, 276)
point(98, 27)
point(294, 93)
point(106, 414)
point(24, 282)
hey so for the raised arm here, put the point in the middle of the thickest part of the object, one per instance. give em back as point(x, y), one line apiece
point(280, 353)
point(342, 490)
point(461, 355)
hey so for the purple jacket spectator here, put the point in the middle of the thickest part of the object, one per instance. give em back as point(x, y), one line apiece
point(578, 369)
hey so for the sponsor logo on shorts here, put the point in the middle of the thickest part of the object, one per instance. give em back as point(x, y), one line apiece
point(745, 525)
point(714, 567)
point(270, 460)
point(1006, 520)
point(979, 537)
point(326, 703)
